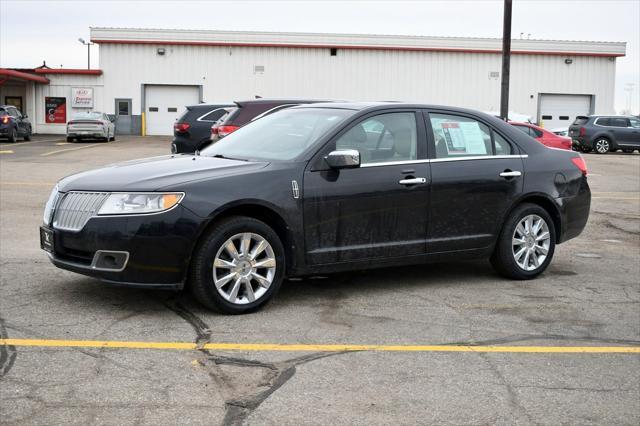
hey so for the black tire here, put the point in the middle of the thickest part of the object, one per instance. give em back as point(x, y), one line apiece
point(69, 139)
point(201, 281)
point(27, 136)
point(13, 136)
point(113, 137)
point(503, 258)
point(628, 151)
point(602, 146)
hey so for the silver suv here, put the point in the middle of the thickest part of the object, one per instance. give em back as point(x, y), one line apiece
point(602, 134)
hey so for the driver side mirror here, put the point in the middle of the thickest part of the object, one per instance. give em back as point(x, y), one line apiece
point(112, 117)
point(343, 159)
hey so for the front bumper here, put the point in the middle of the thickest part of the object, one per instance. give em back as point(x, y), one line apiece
point(158, 248)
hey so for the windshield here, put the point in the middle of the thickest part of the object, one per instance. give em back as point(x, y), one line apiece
point(280, 136)
point(87, 115)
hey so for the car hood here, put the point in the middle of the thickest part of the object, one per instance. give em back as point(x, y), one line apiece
point(152, 174)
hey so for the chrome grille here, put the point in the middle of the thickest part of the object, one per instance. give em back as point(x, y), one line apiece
point(76, 208)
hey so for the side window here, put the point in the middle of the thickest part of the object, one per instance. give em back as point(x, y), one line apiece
point(382, 138)
point(535, 133)
point(502, 146)
point(14, 112)
point(523, 129)
point(213, 116)
point(619, 122)
point(457, 136)
point(634, 123)
point(603, 122)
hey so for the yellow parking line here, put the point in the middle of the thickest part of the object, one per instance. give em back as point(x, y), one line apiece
point(17, 144)
point(271, 347)
point(8, 151)
point(63, 143)
point(67, 150)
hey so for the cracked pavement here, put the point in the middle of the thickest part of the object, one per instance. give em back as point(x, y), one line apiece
point(590, 296)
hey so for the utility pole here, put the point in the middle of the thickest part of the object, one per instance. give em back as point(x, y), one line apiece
point(88, 44)
point(506, 60)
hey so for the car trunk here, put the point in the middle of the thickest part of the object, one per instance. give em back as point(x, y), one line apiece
point(574, 129)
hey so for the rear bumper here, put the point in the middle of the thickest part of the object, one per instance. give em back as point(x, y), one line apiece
point(87, 134)
point(574, 212)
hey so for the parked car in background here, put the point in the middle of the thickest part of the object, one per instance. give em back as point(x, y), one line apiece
point(560, 132)
point(13, 124)
point(316, 189)
point(512, 116)
point(192, 131)
point(91, 125)
point(601, 134)
point(543, 136)
point(247, 111)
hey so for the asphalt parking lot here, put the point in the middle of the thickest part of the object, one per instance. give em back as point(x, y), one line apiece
point(431, 344)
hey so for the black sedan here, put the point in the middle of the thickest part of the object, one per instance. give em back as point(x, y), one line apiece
point(321, 188)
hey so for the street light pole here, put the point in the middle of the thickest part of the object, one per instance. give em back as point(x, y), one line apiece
point(88, 44)
point(506, 60)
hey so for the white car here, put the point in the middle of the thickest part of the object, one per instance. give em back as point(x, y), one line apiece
point(91, 125)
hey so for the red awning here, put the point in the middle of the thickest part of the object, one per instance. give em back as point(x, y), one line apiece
point(19, 75)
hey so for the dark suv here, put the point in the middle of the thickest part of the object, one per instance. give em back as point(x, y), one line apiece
point(192, 131)
point(247, 111)
point(602, 134)
point(13, 124)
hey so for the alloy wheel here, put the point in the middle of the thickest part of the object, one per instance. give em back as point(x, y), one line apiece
point(602, 146)
point(244, 268)
point(530, 242)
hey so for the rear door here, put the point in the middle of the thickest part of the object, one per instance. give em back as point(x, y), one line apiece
point(378, 210)
point(634, 124)
point(476, 174)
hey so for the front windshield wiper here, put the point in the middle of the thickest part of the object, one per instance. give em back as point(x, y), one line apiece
point(229, 158)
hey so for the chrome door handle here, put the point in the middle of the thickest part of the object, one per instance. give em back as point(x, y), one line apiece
point(515, 173)
point(412, 181)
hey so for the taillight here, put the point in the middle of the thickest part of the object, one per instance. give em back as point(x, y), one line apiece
point(226, 130)
point(181, 127)
point(580, 163)
point(583, 131)
point(5, 119)
point(214, 129)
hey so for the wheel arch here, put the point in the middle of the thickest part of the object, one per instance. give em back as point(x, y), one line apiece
point(255, 209)
point(546, 203)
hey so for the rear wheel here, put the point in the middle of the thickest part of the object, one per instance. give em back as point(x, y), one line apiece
point(13, 135)
point(601, 146)
point(526, 243)
point(27, 135)
point(69, 139)
point(238, 267)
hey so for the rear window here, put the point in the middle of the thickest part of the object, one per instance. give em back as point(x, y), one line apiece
point(87, 115)
point(248, 112)
point(213, 115)
point(579, 121)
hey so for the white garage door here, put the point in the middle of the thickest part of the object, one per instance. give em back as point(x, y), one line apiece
point(559, 111)
point(164, 104)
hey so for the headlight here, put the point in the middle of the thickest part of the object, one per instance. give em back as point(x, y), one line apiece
point(136, 203)
point(48, 208)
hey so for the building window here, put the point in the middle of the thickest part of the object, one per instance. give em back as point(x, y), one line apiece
point(153, 109)
point(123, 108)
point(333, 51)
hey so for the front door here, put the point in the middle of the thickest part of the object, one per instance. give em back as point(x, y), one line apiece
point(476, 176)
point(378, 210)
point(123, 117)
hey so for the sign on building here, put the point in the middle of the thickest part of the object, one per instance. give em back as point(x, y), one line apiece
point(82, 97)
point(55, 110)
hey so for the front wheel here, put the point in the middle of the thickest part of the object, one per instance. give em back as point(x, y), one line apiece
point(27, 135)
point(238, 267)
point(13, 135)
point(601, 146)
point(526, 243)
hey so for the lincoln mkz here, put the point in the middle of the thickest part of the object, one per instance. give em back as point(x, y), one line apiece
point(318, 189)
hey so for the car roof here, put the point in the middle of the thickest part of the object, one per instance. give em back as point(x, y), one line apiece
point(362, 106)
point(215, 105)
point(281, 101)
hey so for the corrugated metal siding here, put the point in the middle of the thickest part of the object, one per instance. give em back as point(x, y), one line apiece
point(461, 79)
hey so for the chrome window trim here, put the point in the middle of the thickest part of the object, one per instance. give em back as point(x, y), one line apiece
point(269, 111)
point(445, 160)
point(207, 113)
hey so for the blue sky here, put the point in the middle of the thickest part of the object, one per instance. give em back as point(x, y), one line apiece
point(32, 31)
